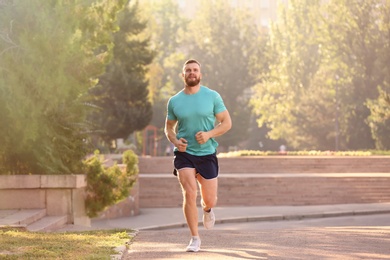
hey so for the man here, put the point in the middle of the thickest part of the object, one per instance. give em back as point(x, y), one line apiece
point(194, 111)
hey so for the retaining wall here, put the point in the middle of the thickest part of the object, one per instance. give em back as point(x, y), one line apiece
point(276, 180)
point(60, 195)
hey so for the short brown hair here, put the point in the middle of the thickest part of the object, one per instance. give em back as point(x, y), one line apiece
point(190, 61)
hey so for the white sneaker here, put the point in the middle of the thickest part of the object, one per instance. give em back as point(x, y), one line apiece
point(208, 219)
point(194, 245)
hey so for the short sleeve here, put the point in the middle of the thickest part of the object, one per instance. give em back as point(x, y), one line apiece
point(219, 106)
point(170, 114)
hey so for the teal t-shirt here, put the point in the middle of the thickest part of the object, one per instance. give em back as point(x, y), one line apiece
point(196, 113)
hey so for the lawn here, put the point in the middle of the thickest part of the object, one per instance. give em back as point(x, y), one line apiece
point(18, 244)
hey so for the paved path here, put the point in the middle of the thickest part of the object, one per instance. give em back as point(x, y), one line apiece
point(162, 234)
point(168, 218)
point(309, 243)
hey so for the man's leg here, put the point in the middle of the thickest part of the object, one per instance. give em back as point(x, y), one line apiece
point(208, 191)
point(189, 187)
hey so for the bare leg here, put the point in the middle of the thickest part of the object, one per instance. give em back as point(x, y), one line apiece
point(208, 190)
point(189, 187)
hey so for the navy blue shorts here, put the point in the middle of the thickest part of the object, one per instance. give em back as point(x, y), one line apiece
point(206, 165)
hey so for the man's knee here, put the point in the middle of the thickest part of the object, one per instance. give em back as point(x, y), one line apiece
point(209, 202)
point(190, 195)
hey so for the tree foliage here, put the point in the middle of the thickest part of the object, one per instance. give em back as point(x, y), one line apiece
point(51, 53)
point(379, 119)
point(122, 94)
point(358, 49)
point(284, 95)
point(328, 62)
point(166, 25)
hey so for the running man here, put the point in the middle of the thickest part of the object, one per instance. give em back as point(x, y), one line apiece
point(195, 116)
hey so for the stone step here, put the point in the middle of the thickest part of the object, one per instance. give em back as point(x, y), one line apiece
point(21, 217)
point(48, 223)
point(31, 219)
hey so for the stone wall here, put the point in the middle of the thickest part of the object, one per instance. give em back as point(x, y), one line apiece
point(281, 164)
point(244, 181)
point(276, 180)
point(60, 194)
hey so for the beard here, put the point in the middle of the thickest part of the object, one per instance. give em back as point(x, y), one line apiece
point(192, 82)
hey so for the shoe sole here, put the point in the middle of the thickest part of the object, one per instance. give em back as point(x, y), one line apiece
point(193, 250)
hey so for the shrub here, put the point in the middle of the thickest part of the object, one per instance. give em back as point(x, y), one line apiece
point(108, 186)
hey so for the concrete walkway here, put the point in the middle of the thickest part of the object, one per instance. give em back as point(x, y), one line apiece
point(167, 218)
point(341, 243)
point(160, 234)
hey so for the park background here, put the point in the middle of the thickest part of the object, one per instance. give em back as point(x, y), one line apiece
point(80, 76)
point(77, 76)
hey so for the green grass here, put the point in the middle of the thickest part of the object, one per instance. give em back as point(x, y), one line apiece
point(16, 244)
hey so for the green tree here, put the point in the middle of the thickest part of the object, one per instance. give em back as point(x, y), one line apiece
point(167, 25)
point(379, 119)
point(51, 53)
point(355, 23)
point(287, 97)
point(122, 93)
point(327, 66)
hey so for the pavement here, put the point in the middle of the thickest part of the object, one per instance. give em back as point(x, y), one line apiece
point(161, 233)
point(169, 218)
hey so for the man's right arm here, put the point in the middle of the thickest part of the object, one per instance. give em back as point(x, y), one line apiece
point(170, 132)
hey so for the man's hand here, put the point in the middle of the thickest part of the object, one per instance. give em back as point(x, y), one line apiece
point(202, 137)
point(181, 145)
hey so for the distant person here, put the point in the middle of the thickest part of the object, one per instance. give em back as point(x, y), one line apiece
point(194, 110)
point(168, 150)
point(282, 149)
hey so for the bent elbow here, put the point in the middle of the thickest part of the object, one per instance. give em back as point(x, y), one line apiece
point(230, 126)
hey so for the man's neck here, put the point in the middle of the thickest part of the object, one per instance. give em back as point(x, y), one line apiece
point(191, 90)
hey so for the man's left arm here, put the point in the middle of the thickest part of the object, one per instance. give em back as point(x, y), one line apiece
point(224, 125)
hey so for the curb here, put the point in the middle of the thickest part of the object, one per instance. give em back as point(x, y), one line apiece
point(274, 218)
point(122, 250)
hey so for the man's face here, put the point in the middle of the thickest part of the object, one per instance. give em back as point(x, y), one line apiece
point(191, 74)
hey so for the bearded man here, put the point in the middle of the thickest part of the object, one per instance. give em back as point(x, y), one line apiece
point(195, 116)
